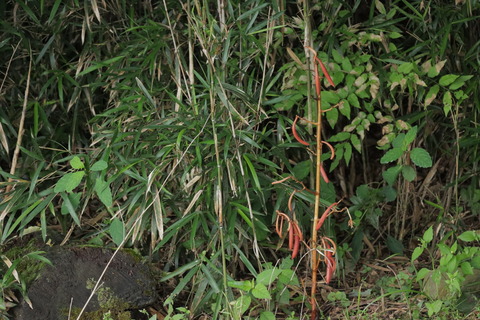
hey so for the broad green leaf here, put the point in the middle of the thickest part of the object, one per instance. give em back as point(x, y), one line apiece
point(341, 136)
point(447, 79)
point(99, 166)
point(74, 198)
point(380, 7)
point(329, 98)
point(434, 307)
point(421, 158)
point(353, 100)
point(405, 68)
point(76, 163)
point(69, 182)
point(389, 193)
point(241, 305)
point(431, 95)
point(245, 285)
point(410, 137)
point(332, 117)
point(288, 276)
point(408, 172)
point(345, 109)
point(435, 70)
point(395, 245)
point(266, 277)
point(447, 102)
point(466, 268)
point(267, 315)
point(390, 175)
point(117, 231)
point(346, 65)
point(469, 236)
point(302, 170)
point(102, 188)
point(428, 235)
point(391, 155)
point(356, 143)
point(261, 292)
point(398, 141)
point(459, 82)
point(394, 35)
point(422, 273)
point(416, 253)
point(337, 57)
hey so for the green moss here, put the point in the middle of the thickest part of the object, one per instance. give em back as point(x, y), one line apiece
point(111, 307)
point(28, 268)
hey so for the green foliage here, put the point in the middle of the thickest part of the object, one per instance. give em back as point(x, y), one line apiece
point(163, 125)
point(444, 284)
point(270, 290)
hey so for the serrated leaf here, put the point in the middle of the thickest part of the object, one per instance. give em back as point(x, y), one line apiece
point(266, 277)
point(76, 163)
point(104, 192)
point(390, 175)
point(416, 253)
point(117, 231)
point(261, 292)
point(69, 182)
point(389, 193)
point(447, 102)
point(391, 155)
point(398, 141)
point(431, 95)
point(356, 143)
point(99, 166)
point(421, 158)
point(408, 172)
point(447, 79)
point(410, 136)
point(469, 236)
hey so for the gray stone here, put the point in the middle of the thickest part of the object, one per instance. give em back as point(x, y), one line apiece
point(127, 284)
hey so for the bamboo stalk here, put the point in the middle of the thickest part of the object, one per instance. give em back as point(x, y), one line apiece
point(316, 214)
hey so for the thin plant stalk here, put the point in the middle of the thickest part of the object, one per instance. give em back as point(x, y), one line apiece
point(317, 193)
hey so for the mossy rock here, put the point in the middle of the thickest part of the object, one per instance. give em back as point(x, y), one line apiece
point(126, 285)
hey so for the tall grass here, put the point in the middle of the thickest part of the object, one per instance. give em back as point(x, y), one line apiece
point(180, 113)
